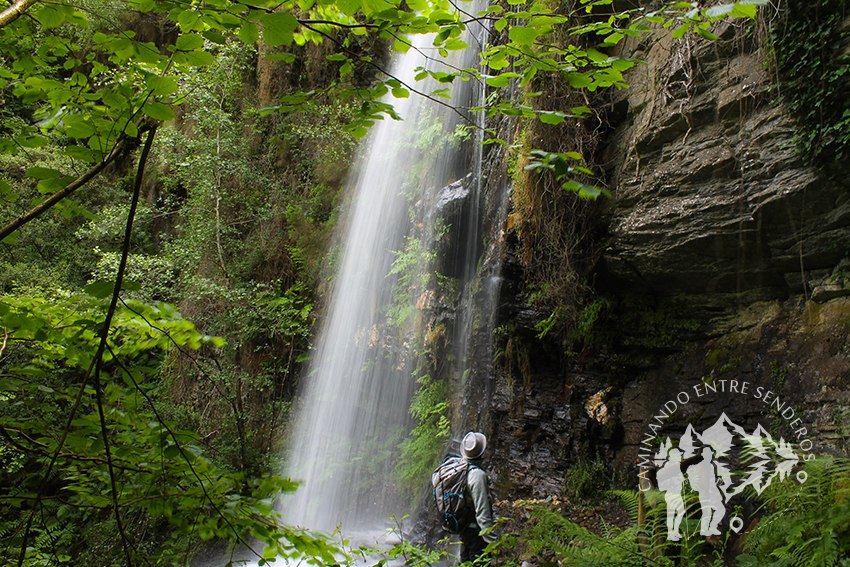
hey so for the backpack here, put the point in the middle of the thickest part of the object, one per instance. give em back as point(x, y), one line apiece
point(449, 481)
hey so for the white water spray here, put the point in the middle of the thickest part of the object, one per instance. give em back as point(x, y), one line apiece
point(353, 410)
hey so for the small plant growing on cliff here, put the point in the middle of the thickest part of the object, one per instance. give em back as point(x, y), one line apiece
point(421, 448)
point(585, 482)
point(560, 164)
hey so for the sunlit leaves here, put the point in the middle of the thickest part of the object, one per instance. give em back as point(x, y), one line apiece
point(522, 35)
point(398, 90)
point(278, 28)
point(158, 111)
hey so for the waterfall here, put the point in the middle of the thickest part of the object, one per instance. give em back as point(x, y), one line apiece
point(353, 409)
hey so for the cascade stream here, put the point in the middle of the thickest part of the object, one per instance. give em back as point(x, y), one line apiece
point(353, 410)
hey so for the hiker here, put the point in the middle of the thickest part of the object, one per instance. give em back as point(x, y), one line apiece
point(473, 540)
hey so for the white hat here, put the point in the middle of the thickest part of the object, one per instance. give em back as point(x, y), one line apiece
point(473, 445)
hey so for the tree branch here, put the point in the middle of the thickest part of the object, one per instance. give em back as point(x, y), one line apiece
point(59, 195)
point(15, 11)
point(409, 87)
point(119, 277)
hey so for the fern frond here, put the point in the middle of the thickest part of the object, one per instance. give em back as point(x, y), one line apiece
point(630, 500)
point(575, 545)
point(806, 522)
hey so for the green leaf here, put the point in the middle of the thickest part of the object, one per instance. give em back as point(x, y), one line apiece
point(719, 11)
point(498, 81)
point(370, 6)
point(401, 45)
point(680, 32)
point(283, 56)
point(401, 92)
point(579, 81)
point(596, 56)
point(49, 17)
point(100, 289)
point(158, 111)
point(249, 33)
point(195, 58)
point(278, 28)
point(80, 153)
point(348, 7)
point(161, 86)
point(43, 173)
point(214, 37)
point(31, 141)
point(53, 184)
point(501, 24)
point(613, 39)
point(702, 32)
point(131, 285)
point(621, 64)
point(189, 42)
point(551, 117)
point(522, 35)
point(359, 131)
point(744, 10)
point(187, 20)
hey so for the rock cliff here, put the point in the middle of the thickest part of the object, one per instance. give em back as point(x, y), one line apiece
point(724, 262)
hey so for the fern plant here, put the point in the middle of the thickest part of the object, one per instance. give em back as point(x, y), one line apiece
point(805, 524)
point(643, 545)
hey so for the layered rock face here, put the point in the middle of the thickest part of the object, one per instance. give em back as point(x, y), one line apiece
point(716, 212)
point(734, 251)
point(711, 193)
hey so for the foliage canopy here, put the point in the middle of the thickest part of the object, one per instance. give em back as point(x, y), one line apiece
point(79, 431)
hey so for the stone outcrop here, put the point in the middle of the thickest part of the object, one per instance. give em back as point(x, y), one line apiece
point(797, 350)
point(734, 248)
point(711, 195)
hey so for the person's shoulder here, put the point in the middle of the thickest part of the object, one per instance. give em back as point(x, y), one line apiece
point(476, 473)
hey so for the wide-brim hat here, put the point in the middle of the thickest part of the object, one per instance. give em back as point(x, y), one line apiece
point(473, 445)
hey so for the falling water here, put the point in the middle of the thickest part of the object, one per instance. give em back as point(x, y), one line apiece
point(353, 410)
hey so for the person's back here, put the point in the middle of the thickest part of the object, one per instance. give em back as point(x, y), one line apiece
point(475, 538)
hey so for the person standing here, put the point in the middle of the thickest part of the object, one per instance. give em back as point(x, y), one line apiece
point(478, 534)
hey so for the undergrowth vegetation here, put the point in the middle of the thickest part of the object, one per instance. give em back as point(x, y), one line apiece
point(147, 370)
point(793, 524)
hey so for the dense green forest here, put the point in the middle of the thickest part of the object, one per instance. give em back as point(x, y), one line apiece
point(171, 174)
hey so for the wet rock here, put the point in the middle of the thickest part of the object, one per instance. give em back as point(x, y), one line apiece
point(449, 227)
point(711, 195)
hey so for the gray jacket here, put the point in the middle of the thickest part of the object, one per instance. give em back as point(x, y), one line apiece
point(478, 497)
